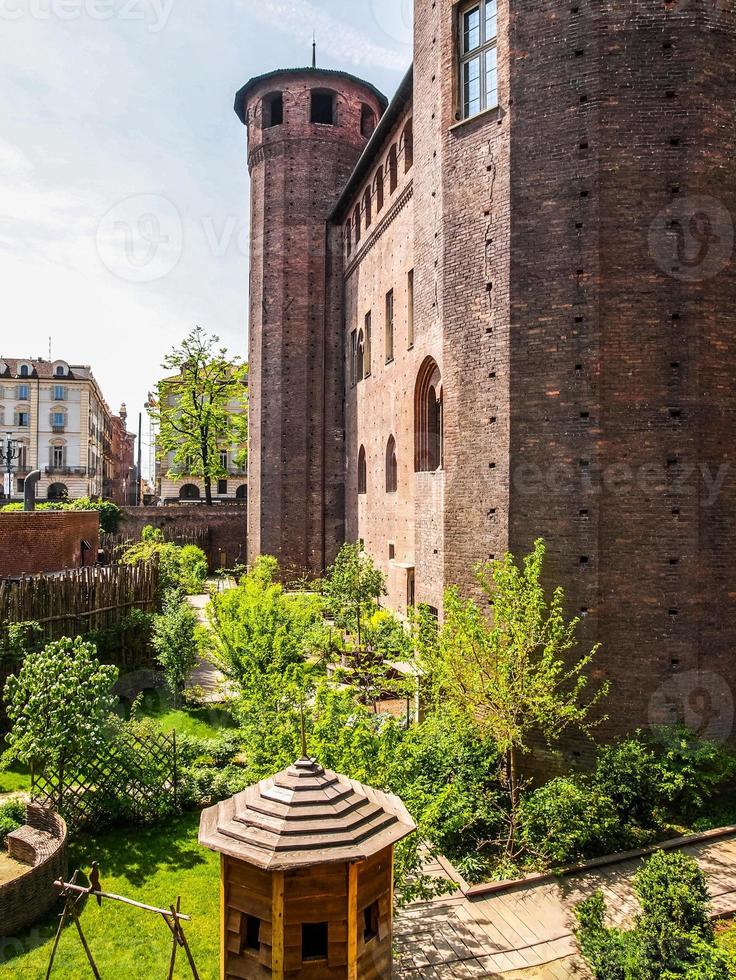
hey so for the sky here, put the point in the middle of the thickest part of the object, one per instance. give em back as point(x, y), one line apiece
point(124, 209)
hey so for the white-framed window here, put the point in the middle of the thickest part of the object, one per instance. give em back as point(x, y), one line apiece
point(478, 57)
point(224, 459)
point(59, 393)
point(23, 393)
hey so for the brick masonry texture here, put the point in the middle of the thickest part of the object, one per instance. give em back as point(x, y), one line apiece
point(31, 544)
point(573, 274)
point(226, 528)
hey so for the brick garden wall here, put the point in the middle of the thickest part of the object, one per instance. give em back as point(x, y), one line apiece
point(40, 542)
point(225, 526)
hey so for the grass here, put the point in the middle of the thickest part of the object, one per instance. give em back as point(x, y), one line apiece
point(14, 779)
point(153, 865)
point(205, 722)
point(727, 940)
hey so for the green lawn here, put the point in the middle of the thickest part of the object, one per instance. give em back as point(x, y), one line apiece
point(206, 722)
point(15, 779)
point(153, 865)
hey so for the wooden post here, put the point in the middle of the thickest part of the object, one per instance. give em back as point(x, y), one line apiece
point(277, 914)
point(352, 921)
point(223, 915)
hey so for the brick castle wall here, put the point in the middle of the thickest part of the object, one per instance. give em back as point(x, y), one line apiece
point(225, 527)
point(40, 542)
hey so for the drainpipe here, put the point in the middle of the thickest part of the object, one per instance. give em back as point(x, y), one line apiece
point(29, 491)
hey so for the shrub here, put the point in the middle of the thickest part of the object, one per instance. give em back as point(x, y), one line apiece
point(693, 772)
point(108, 511)
point(673, 936)
point(182, 568)
point(568, 821)
point(12, 816)
point(629, 775)
point(175, 643)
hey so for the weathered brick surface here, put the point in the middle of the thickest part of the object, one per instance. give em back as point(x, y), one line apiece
point(31, 544)
point(298, 170)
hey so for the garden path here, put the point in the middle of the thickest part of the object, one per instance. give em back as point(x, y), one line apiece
point(205, 675)
point(525, 932)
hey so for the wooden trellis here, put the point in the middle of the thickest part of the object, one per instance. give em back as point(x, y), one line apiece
point(141, 774)
point(73, 895)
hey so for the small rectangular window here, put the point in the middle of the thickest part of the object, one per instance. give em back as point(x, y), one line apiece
point(479, 57)
point(389, 326)
point(314, 941)
point(353, 356)
point(410, 309)
point(250, 934)
point(367, 355)
point(222, 488)
point(59, 393)
point(371, 919)
point(23, 393)
point(391, 556)
point(323, 108)
point(273, 110)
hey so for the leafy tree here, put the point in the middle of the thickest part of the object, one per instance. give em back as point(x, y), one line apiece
point(673, 936)
point(180, 567)
point(352, 589)
point(514, 674)
point(203, 409)
point(175, 643)
point(58, 704)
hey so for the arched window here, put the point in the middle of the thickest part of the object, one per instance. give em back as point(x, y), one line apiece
point(378, 189)
point(242, 492)
point(407, 146)
point(356, 224)
point(428, 419)
point(367, 207)
point(392, 468)
point(393, 169)
point(322, 108)
point(58, 491)
point(367, 121)
point(189, 492)
point(362, 472)
point(349, 238)
point(273, 110)
point(25, 371)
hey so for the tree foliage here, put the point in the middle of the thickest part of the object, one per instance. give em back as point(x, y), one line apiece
point(352, 589)
point(58, 704)
point(175, 643)
point(514, 674)
point(181, 567)
point(203, 409)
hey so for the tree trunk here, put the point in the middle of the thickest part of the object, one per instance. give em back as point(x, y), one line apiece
point(208, 490)
point(512, 769)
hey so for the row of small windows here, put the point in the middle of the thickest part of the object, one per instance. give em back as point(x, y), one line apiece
point(428, 432)
point(361, 341)
point(22, 393)
point(375, 192)
point(322, 111)
point(315, 935)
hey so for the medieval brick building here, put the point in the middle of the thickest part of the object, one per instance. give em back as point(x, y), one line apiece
point(507, 311)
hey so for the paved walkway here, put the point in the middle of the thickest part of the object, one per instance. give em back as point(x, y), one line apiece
point(526, 932)
point(205, 675)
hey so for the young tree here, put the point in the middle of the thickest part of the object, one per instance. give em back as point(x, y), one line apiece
point(512, 673)
point(203, 409)
point(175, 643)
point(58, 704)
point(352, 589)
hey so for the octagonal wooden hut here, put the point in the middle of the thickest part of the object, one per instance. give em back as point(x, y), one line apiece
point(306, 876)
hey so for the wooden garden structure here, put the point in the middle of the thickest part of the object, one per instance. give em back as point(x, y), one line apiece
point(306, 876)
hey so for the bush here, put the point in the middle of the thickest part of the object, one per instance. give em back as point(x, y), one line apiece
point(673, 937)
point(568, 821)
point(108, 511)
point(693, 772)
point(175, 643)
point(183, 568)
point(629, 775)
point(12, 816)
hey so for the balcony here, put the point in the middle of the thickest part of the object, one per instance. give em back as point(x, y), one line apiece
point(66, 471)
point(58, 429)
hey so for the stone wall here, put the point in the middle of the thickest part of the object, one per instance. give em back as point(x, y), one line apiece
point(225, 527)
point(47, 541)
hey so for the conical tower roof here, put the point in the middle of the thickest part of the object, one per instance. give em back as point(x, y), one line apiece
point(305, 816)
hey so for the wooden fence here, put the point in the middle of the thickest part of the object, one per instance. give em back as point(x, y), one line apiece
point(80, 601)
point(131, 778)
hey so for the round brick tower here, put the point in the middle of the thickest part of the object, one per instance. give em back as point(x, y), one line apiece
point(307, 127)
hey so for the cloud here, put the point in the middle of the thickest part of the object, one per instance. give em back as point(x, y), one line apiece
point(297, 18)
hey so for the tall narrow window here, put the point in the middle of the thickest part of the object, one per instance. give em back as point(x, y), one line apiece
point(428, 419)
point(393, 169)
point(410, 308)
point(273, 110)
point(349, 238)
point(353, 356)
point(378, 189)
point(407, 146)
point(392, 467)
point(360, 358)
point(224, 459)
point(367, 121)
point(250, 934)
point(362, 472)
point(356, 224)
point(479, 57)
point(25, 371)
point(389, 326)
point(368, 339)
point(367, 209)
point(323, 108)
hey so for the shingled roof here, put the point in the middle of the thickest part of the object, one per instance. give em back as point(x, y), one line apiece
point(305, 816)
point(10, 368)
